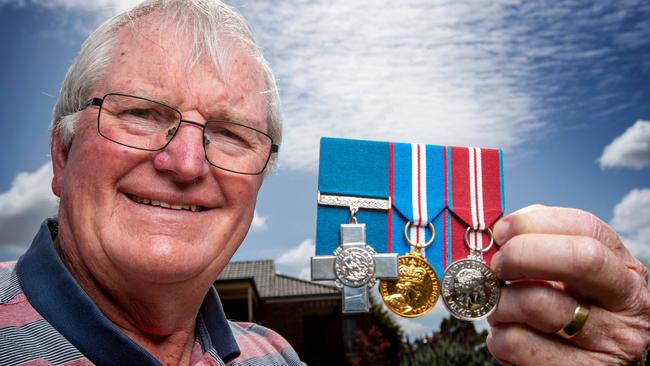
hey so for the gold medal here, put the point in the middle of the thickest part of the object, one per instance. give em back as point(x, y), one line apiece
point(417, 289)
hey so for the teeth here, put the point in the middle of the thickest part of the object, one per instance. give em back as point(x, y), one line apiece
point(193, 208)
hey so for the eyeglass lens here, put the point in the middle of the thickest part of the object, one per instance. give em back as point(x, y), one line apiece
point(149, 125)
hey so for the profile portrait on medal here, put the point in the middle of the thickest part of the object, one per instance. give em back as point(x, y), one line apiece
point(415, 292)
point(409, 289)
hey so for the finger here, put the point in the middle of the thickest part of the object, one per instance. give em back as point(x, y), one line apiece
point(584, 265)
point(517, 344)
point(564, 221)
point(522, 346)
point(547, 310)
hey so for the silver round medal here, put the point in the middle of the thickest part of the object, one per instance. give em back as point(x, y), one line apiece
point(354, 266)
point(470, 290)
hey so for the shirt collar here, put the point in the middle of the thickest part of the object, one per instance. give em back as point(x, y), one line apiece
point(54, 293)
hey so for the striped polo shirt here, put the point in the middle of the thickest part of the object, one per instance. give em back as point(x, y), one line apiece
point(47, 319)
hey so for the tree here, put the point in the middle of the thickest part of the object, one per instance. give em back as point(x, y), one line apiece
point(457, 343)
point(380, 344)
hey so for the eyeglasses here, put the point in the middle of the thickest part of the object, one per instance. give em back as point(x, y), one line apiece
point(145, 124)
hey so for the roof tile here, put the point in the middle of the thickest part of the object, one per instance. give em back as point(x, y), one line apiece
point(270, 284)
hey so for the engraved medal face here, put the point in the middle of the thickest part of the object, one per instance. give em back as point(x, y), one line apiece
point(415, 292)
point(470, 290)
point(354, 266)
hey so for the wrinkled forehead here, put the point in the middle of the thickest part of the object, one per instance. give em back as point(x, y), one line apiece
point(169, 55)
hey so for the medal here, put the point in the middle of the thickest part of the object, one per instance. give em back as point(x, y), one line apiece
point(354, 266)
point(419, 189)
point(470, 290)
point(417, 186)
point(417, 289)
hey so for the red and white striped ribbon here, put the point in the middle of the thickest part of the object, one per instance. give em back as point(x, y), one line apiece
point(419, 193)
point(476, 197)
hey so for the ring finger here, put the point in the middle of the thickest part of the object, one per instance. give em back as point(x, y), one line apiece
point(520, 303)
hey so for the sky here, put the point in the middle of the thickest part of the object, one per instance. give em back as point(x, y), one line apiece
point(562, 87)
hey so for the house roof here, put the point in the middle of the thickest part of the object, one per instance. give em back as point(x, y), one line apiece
point(270, 284)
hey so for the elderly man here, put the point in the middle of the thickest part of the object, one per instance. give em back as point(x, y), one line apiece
point(163, 128)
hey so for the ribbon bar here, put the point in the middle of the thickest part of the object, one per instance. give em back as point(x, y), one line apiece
point(354, 202)
point(475, 196)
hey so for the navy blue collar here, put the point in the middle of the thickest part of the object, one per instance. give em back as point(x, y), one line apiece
point(54, 293)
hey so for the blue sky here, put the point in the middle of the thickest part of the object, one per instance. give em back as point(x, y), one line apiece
point(562, 88)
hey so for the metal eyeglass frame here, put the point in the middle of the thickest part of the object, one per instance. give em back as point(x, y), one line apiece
point(100, 101)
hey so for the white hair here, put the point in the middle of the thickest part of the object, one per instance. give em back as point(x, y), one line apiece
point(212, 26)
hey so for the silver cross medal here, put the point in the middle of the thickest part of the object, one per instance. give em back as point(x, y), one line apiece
point(354, 265)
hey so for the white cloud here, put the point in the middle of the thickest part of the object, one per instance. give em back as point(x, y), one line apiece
point(461, 72)
point(632, 218)
point(457, 73)
point(296, 261)
point(259, 222)
point(629, 150)
point(103, 6)
point(633, 212)
point(68, 20)
point(375, 71)
point(24, 206)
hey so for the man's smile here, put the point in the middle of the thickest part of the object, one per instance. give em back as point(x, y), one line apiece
point(157, 203)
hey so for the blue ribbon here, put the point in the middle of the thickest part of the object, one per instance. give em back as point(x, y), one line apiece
point(352, 168)
point(435, 200)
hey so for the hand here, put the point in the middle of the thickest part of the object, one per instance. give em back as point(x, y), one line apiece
point(553, 258)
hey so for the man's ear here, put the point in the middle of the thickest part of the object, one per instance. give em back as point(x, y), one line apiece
point(59, 160)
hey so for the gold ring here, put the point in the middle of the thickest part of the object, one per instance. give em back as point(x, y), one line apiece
point(580, 315)
point(419, 245)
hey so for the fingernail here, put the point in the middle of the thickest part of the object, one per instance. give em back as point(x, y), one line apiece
point(500, 231)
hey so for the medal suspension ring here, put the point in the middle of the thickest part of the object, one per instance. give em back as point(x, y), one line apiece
point(354, 267)
point(470, 290)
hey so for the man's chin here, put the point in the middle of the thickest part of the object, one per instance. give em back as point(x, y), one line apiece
point(162, 262)
point(156, 274)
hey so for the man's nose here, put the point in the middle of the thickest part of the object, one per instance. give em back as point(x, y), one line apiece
point(184, 156)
